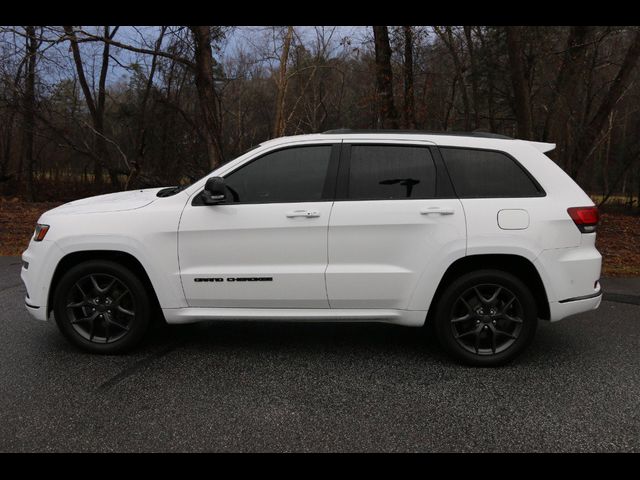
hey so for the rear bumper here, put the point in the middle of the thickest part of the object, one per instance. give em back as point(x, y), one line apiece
point(566, 308)
point(571, 278)
point(569, 272)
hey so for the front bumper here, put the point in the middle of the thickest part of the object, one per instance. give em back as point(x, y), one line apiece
point(42, 259)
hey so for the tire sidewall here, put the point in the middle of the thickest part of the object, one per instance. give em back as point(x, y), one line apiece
point(140, 298)
point(444, 331)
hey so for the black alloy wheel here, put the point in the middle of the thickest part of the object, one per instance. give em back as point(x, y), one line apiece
point(102, 307)
point(486, 318)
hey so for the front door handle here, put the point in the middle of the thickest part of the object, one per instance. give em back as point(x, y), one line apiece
point(438, 210)
point(303, 213)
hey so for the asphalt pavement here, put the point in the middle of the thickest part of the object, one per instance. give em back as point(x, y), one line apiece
point(320, 387)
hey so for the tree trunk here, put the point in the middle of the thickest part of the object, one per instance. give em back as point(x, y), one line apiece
point(29, 115)
point(279, 125)
point(522, 104)
point(409, 103)
point(490, 82)
point(387, 114)
point(207, 96)
point(474, 77)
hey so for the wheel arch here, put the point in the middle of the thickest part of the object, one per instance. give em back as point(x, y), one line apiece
point(516, 265)
point(123, 258)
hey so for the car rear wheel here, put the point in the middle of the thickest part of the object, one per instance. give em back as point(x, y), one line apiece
point(486, 318)
point(102, 307)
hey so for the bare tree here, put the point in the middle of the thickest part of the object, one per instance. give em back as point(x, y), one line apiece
point(588, 141)
point(446, 35)
point(573, 63)
point(387, 114)
point(474, 76)
point(409, 111)
point(208, 98)
point(29, 109)
point(279, 123)
point(95, 102)
point(522, 99)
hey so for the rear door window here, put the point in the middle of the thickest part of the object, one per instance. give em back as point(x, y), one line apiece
point(382, 172)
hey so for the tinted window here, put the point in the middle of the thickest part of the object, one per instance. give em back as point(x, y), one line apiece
point(391, 172)
point(289, 175)
point(482, 174)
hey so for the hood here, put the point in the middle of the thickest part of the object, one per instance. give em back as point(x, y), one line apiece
point(111, 202)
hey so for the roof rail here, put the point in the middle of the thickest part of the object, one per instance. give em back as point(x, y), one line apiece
point(476, 133)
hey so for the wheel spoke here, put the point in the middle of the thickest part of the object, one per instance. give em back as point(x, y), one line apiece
point(84, 295)
point(106, 330)
point(96, 287)
point(511, 319)
point(494, 298)
point(78, 320)
point(502, 332)
point(117, 324)
point(110, 286)
point(462, 318)
point(82, 303)
point(101, 290)
point(125, 311)
point(92, 328)
point(493, 341)
point(466, 304)
point(467, 333)
point(117, 300)
point(508, 304)
point(477, 342)
point(480, 296)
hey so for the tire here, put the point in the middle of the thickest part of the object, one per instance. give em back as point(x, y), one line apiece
point(102, 307)
point(486, 318)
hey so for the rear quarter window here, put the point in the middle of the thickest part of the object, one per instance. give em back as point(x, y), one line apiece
point(488, 174)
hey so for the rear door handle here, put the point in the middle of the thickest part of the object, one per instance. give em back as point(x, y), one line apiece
point(303, 213)
point(438, 210)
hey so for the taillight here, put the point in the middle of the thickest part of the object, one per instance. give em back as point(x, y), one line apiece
point(585, 218)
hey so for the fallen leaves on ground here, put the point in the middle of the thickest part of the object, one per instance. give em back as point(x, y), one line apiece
point(618, 240)
point(618, 235)
point(17, 223)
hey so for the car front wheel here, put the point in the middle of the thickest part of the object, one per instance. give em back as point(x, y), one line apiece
point(101, 307)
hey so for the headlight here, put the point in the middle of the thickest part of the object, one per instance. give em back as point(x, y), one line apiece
point(41, 231)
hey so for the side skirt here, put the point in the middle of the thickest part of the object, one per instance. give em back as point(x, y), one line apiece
point(409, 318)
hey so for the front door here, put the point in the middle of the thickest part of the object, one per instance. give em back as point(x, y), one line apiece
point(266, 246)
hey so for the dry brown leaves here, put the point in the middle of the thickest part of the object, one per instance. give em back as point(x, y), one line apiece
point(618, 235)
point(17, 222)
point(618, 240)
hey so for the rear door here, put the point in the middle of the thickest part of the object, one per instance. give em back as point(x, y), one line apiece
point(394, 220)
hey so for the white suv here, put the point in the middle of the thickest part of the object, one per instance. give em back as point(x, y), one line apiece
point(476, 234)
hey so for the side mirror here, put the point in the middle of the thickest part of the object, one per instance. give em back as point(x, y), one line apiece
point(214, 191)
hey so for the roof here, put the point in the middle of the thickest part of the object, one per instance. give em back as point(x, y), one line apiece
point(475, 139)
